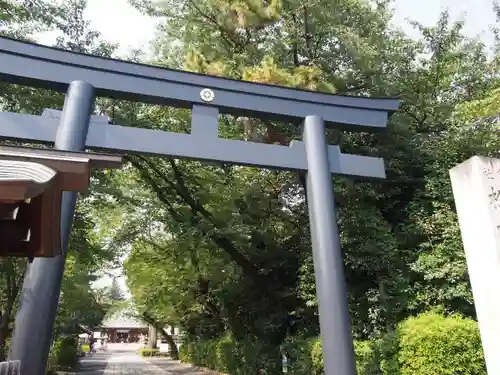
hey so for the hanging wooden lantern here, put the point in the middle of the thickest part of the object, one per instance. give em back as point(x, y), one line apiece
point(31, 186)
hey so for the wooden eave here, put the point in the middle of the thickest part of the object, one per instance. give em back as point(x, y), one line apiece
point(31, 185)
point(74, 166)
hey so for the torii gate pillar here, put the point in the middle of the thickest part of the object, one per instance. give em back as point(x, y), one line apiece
point(42, 282)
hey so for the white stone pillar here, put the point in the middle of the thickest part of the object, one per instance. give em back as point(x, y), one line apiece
point(476, 188)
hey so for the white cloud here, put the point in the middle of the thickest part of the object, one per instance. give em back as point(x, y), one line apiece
point(119, 22)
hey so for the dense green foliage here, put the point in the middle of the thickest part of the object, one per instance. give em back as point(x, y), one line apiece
point(427, 344)
point(236, 357)
point(65, 353)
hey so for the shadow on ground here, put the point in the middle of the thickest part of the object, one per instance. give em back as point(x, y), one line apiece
point(94, 365)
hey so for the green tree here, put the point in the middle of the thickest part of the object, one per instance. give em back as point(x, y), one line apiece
point(215, 247)
point(273, 44)
point(21, 19)
point(114, 292)
point(78, 302)
point(286, 45)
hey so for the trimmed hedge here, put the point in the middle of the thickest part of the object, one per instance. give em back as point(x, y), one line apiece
point(427, 344)
point(232, 356)
point(64, 353)
point(305, 356)
point(146, 352)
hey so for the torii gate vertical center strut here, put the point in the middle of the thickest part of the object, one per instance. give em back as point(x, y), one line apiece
point(38, 66)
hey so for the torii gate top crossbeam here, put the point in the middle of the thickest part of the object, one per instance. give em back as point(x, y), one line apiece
point(46, 67)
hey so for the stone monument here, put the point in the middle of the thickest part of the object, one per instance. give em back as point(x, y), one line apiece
point(476, 188)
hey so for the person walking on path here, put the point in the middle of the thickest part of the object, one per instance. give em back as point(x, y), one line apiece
point(91, 346)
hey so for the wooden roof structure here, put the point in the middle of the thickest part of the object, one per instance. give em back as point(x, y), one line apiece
point(31, 185)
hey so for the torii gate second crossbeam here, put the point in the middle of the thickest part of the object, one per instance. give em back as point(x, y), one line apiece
point(87, 76)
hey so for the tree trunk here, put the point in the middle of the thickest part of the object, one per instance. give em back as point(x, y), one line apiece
point(174, 353)
point(152, 337)
point(384, 303)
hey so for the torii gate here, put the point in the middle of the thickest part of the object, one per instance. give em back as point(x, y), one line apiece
point(85, 76)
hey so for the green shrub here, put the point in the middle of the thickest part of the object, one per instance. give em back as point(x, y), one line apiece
point(65, 353)
point(310, 357)
point(298, 353)
point(227, 355)
point(7, 346)
point(184, 355)
point(235, 357)
point(434, 344)
point(368, 356)
point(317, 357)
point(305, 356)
point(429, 344)
point(147, 352)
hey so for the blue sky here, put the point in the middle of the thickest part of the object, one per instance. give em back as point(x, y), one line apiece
point(132, 30)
